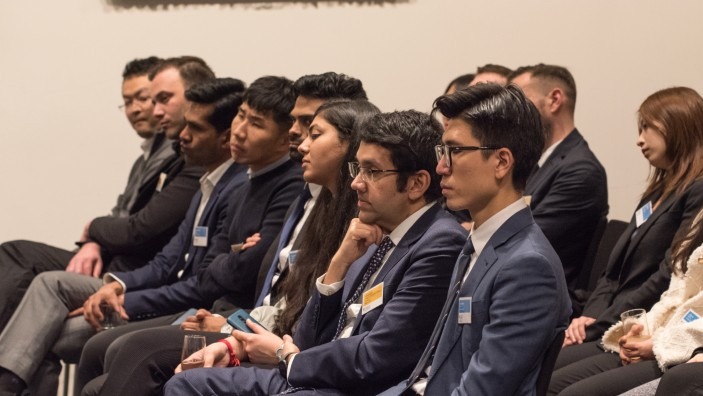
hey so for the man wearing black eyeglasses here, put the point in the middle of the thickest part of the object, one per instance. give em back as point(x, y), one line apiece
point(375, 307)
point(508, 300)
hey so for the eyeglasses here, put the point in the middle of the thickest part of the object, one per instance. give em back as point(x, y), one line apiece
point(140, 101)
point(367, 174)
point(443, 150)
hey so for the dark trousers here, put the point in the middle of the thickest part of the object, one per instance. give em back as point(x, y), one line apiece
point(135, 359)
point(20, 262)
point(588, 370)
point(684, 379)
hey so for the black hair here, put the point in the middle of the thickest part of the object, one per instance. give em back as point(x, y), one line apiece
point(499, 117)
point(330, 85)
point(225, 94)
point(140, 67)
point(273, 96)
point(493, 68)
point(192, 69)
point(329, 219)
point(411, 137)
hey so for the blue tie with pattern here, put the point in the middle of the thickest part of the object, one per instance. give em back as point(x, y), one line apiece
point(374, 264)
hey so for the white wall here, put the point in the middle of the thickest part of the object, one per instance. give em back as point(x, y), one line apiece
point(66, 149)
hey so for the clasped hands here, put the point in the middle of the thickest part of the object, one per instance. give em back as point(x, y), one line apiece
point(634, 348)
point(258, 347)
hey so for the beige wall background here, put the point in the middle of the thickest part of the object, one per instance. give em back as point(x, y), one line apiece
point(66, 149)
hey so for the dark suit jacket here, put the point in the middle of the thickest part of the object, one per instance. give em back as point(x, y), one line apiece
point(259, 206)
point(519, 303)
point(387, 341)
point(637, 273)
point(156, 289)
point(569, 198)
point(130, 242)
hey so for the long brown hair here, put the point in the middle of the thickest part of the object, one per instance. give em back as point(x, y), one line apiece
point(685, 243)
point(330, 217)
point(677, 113)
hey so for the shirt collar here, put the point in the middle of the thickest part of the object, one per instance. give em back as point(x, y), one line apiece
point(315, 190)
point(399, 232)
point(146, 147)
point(215, 176)
point(481, 236)
point(268, 168)
point(547, 153)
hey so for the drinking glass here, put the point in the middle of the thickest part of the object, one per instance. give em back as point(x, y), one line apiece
point(193, 354)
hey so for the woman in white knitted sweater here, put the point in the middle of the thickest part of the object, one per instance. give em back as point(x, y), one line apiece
point(674, 323)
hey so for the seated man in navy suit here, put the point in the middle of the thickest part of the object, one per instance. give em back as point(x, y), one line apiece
point(568, 191)
point(508, 299)
point(375, 307)
point(39, 332)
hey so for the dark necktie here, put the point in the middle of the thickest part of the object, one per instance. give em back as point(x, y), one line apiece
point(374, 264)
point(286, 233)
point(427, 356)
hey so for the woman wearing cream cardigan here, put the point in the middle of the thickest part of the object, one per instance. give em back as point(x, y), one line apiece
point(674, 323)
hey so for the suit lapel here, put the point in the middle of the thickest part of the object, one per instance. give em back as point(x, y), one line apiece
point(488, 257)
point(552, 163)
point(644, 228)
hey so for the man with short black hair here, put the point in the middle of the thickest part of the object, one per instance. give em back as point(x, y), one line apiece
point(491, 73)
point(508, 299)
point(375, 307)
point(313, 90)
point(567, 191)
point(145, 218)
point(39, 333)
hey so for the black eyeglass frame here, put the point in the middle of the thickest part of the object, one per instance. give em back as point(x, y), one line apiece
point(442, 150)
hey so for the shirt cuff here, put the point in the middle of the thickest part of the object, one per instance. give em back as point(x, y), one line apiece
point(110, 277)
point(290, 364)
point(328, 290)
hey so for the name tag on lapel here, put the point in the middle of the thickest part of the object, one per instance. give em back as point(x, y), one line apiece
point(162, 181)
point(643, 213)
point(200, 237)
point(372, 298)
point(690, 316)
point(464, 310)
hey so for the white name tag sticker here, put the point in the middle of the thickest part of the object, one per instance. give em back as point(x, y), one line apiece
point(372, 298)
point(162, 181)
point(200, 237)
point(464, 310)
point(643, 213)
point(690, 316)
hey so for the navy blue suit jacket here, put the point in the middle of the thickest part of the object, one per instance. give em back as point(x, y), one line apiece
point(387, 341)
point(519, 304)
point(569, 197)
point(155, 289)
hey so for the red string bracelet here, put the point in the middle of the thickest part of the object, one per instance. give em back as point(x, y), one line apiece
point(233, 361)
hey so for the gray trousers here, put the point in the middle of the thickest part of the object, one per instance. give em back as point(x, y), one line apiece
point(38, 335)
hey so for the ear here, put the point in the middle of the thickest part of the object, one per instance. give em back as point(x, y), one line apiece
point(505, 164)
point(223, 138)
point(555, 100)
point(418, 184)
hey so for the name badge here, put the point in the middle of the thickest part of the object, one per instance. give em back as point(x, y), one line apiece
point(690, 316)
point(372, 298)
point(292, 256)
point(527, 199)
point(162, 181)
point(464, 310)
point(643, 213)
point(200, 237)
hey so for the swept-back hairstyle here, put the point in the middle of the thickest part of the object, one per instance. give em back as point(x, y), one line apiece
point(330, 85)
point(410, 136)
point(192, 69)
point(225, 94)
point(677, 113)
point(499, 117)
point(140, 67)
point(331, 215)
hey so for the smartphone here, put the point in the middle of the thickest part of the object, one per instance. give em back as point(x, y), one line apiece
point(185, 315)
point(238, 320)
